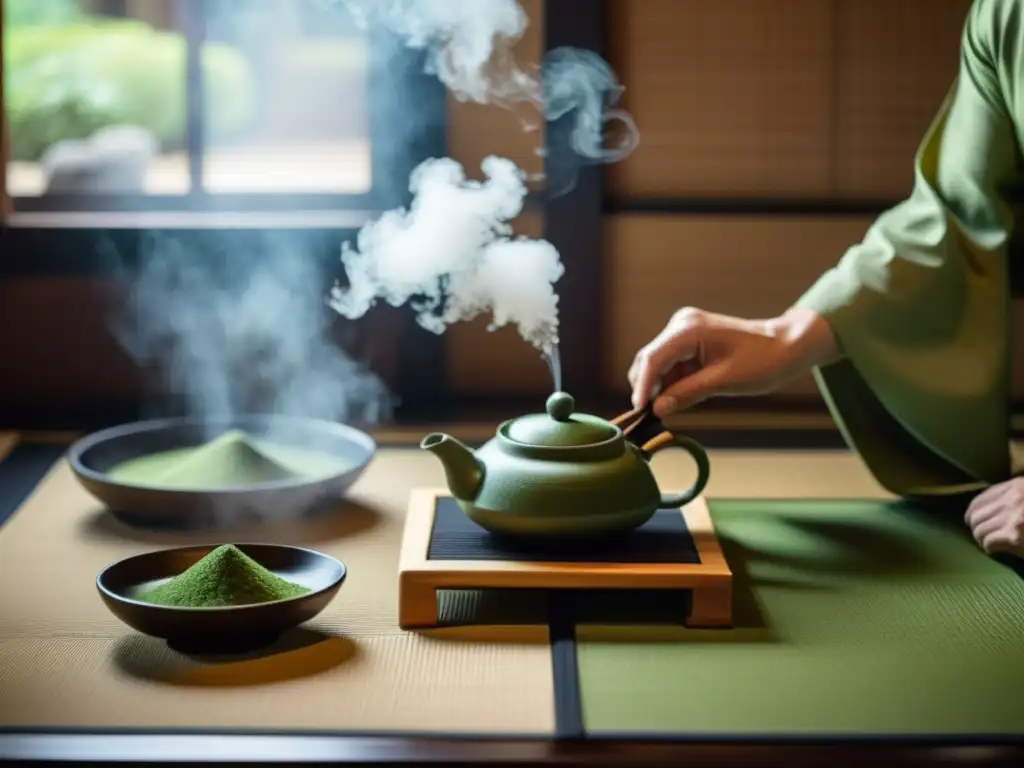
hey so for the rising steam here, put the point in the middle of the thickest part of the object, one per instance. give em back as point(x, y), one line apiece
point(241, 334)
point(469, 46)
point(451, 254)
point(244, 333)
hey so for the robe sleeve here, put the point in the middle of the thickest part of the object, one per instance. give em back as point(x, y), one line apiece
point(921, 307)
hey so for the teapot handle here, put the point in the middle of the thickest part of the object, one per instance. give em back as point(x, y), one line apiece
point(700, 457)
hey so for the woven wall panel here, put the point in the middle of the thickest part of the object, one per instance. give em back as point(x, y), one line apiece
point(897, 61)
point(732, 97)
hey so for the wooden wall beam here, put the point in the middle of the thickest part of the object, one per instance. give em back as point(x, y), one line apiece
point(572, 221)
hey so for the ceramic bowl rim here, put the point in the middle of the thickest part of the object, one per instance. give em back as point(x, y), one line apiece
point(80, 447)
point(114, 596)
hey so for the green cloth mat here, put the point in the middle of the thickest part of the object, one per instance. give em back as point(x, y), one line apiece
point(854, 617)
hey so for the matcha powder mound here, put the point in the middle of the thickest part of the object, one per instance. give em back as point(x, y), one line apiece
point(225, 577)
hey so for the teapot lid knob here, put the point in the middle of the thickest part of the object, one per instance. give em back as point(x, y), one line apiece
point(560, 406)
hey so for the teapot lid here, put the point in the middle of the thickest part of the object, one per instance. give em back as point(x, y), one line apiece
point(560, 426)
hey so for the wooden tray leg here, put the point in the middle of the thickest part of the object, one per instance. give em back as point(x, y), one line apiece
point(417, 605)
point(711, 606)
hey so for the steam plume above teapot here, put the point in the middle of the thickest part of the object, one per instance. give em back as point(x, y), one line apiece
point(451, 254)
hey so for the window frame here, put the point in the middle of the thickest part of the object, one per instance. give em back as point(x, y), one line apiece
point(57, 243)
point(399, 83)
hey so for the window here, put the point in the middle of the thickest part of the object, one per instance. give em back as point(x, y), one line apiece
point(206, 105)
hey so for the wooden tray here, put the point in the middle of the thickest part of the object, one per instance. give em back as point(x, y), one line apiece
point(420, 576)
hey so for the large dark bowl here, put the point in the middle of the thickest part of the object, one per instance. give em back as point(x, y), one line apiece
point(93, 456)
point(235, 628)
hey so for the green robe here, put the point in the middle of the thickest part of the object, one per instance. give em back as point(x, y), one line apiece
point(921, 307)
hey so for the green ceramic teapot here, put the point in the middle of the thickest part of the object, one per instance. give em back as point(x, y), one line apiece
point(561, 474)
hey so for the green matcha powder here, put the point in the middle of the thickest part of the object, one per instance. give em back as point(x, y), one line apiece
point(232, 459)
point(225, 577)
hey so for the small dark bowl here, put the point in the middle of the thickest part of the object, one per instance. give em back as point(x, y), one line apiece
point(93, 456)
point(230, 629)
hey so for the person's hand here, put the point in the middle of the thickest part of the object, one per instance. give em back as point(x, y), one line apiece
point(701, 354)
point(996, 518)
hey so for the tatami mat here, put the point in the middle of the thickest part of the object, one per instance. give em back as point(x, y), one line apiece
point(66, 661)
point(855, 617)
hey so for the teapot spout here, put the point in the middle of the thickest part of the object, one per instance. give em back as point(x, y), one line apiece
point(463, 470)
